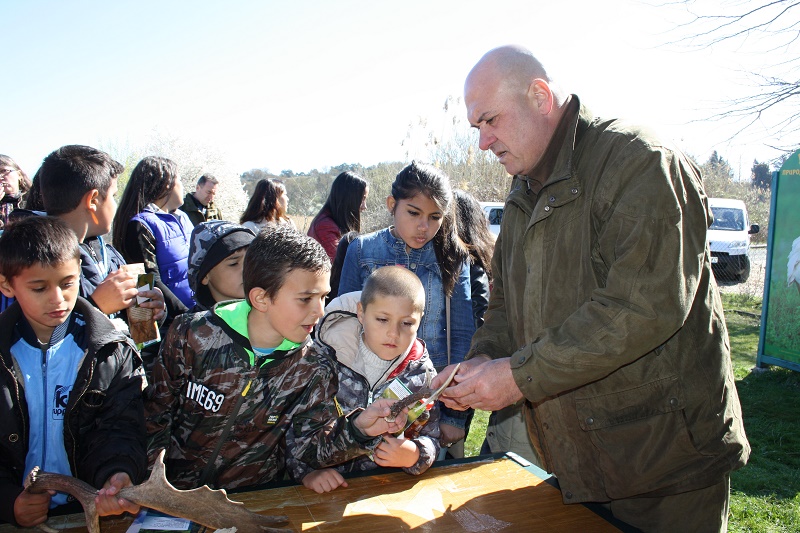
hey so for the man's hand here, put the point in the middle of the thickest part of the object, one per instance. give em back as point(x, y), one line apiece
point(156, 303)
point(397, 453)
point(324, 480)
point(372, 420)
point(116, 292)
point(107, 501)
point(31, 509)
point(489, 386)
point(467, 368)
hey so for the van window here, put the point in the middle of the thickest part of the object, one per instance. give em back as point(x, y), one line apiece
point(496, 216)
point(727, 218)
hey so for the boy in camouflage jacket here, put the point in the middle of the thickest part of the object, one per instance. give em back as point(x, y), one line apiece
point(238, 388)
point(373, 337)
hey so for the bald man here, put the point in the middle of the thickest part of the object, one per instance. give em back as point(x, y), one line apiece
point(604, 322)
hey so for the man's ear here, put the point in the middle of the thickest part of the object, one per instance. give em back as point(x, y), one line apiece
point(5, 287)
point(390, 203)
point(541, 96)
point(259, 299)
point(360, 313)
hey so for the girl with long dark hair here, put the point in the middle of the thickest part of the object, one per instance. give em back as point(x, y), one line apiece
point(149, 228)
point(341, 212)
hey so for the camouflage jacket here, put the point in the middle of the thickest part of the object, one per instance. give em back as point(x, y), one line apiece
point(338, 335)
point(229, 420)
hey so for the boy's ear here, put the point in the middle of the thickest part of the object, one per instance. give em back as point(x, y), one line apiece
point(5, 287)
point(204, 281)
point(390, 203)
point(259, 299)
point(91, 200)
point(360, 313)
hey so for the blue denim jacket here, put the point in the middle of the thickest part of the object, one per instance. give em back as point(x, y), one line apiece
point(370, 252)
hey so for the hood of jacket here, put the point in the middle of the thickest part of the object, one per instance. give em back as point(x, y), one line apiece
point(339, 331)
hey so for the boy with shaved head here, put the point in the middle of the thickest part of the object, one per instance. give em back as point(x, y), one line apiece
point(372, 334)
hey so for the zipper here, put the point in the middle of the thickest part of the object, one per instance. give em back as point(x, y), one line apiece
point(225, 432)
point(43, 349)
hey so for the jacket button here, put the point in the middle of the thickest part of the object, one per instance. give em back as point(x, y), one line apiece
point(589, 421)
point(574, 190)
point(412, 266)
point(552, 198)
point(547, 208)
point(490, 434)
point(521, 359)
point(673, 402)
point(13, 437)
point(568, 495)
point(529, 379)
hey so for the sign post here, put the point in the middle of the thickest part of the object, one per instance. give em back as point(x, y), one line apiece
point(779, 342)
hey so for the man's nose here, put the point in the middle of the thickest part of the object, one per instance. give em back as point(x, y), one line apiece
point(486, 139)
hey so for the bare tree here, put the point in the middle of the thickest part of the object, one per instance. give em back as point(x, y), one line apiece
point(770, 29)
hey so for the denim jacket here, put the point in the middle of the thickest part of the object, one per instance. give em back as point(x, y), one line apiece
point(372, 251)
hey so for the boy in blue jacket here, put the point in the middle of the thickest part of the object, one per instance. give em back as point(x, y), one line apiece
point(70, 385)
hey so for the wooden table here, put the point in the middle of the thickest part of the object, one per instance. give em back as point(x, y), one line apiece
point(487, 494)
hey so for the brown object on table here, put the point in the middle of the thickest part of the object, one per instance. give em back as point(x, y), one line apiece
point(204, 506)
point(487, 495)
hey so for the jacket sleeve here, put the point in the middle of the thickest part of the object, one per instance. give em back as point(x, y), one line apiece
point(320, 434)
point(428, 444)
point(113, 434)
point(650, 251)
point(351, 279)
point(494, 337)
point(479, 288)
point(327, 233)
point(163, 395)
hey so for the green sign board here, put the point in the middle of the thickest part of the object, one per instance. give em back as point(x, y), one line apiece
point(779, 343)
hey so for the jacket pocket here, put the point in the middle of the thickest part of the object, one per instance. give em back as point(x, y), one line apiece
point(640, 437)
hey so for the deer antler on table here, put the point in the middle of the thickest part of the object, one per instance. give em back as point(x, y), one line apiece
point(204, 506)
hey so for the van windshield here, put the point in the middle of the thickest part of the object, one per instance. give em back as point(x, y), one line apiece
point(727, 218)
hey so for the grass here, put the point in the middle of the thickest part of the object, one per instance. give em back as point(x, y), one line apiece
point(765, 494)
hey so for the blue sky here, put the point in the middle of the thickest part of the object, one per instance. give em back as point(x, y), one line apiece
point(310, 84)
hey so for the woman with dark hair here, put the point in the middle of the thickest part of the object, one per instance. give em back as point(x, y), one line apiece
point(14, 183)
point(267, 205)
point(473, 229)
point(424, 239)
point(149, 228)
point(341, 212)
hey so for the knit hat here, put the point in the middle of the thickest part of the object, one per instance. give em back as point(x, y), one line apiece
point(211, 242)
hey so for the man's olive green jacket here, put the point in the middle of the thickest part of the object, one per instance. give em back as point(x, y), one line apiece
point(605, 301)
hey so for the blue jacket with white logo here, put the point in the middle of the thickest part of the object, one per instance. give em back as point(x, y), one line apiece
point(98, 416)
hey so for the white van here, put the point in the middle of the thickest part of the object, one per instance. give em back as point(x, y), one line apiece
point(729, 239)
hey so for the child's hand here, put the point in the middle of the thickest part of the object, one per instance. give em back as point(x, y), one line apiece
point(106, 500)
point(116, 292)
point(31, 509)
point(324, 480)
point(372, 420)
point(399, 453)
point(156, 303)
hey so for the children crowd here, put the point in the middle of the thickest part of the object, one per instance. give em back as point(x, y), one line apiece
point(255, 380)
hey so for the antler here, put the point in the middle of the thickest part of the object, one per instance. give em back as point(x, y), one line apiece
point(204, 506)
point(423, 393)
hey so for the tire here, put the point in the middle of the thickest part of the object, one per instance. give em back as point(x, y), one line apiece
point(745, 272)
